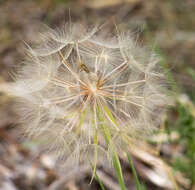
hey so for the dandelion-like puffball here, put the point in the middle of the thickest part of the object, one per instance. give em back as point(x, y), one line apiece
point(82, 94)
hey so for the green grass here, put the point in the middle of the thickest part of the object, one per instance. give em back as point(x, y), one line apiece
point(185, 127)
point(138, 185)
point(117, 167)
point(115, 157)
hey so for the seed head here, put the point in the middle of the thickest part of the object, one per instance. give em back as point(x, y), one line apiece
point(82, 92)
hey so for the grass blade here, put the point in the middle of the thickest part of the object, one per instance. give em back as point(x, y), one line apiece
point(97, 178)
point(138, 185)
point(99, 181)
point(115, 159)
point(95, 155)
point(118, 170)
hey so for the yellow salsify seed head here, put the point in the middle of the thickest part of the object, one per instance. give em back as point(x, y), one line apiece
point(81, 93)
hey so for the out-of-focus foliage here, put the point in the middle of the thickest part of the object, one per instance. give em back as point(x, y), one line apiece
point(185, 127)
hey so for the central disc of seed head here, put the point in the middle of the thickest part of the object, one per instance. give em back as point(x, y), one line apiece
point(92, 84)
point(93, 87)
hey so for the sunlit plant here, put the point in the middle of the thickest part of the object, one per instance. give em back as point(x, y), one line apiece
point(83, 93)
